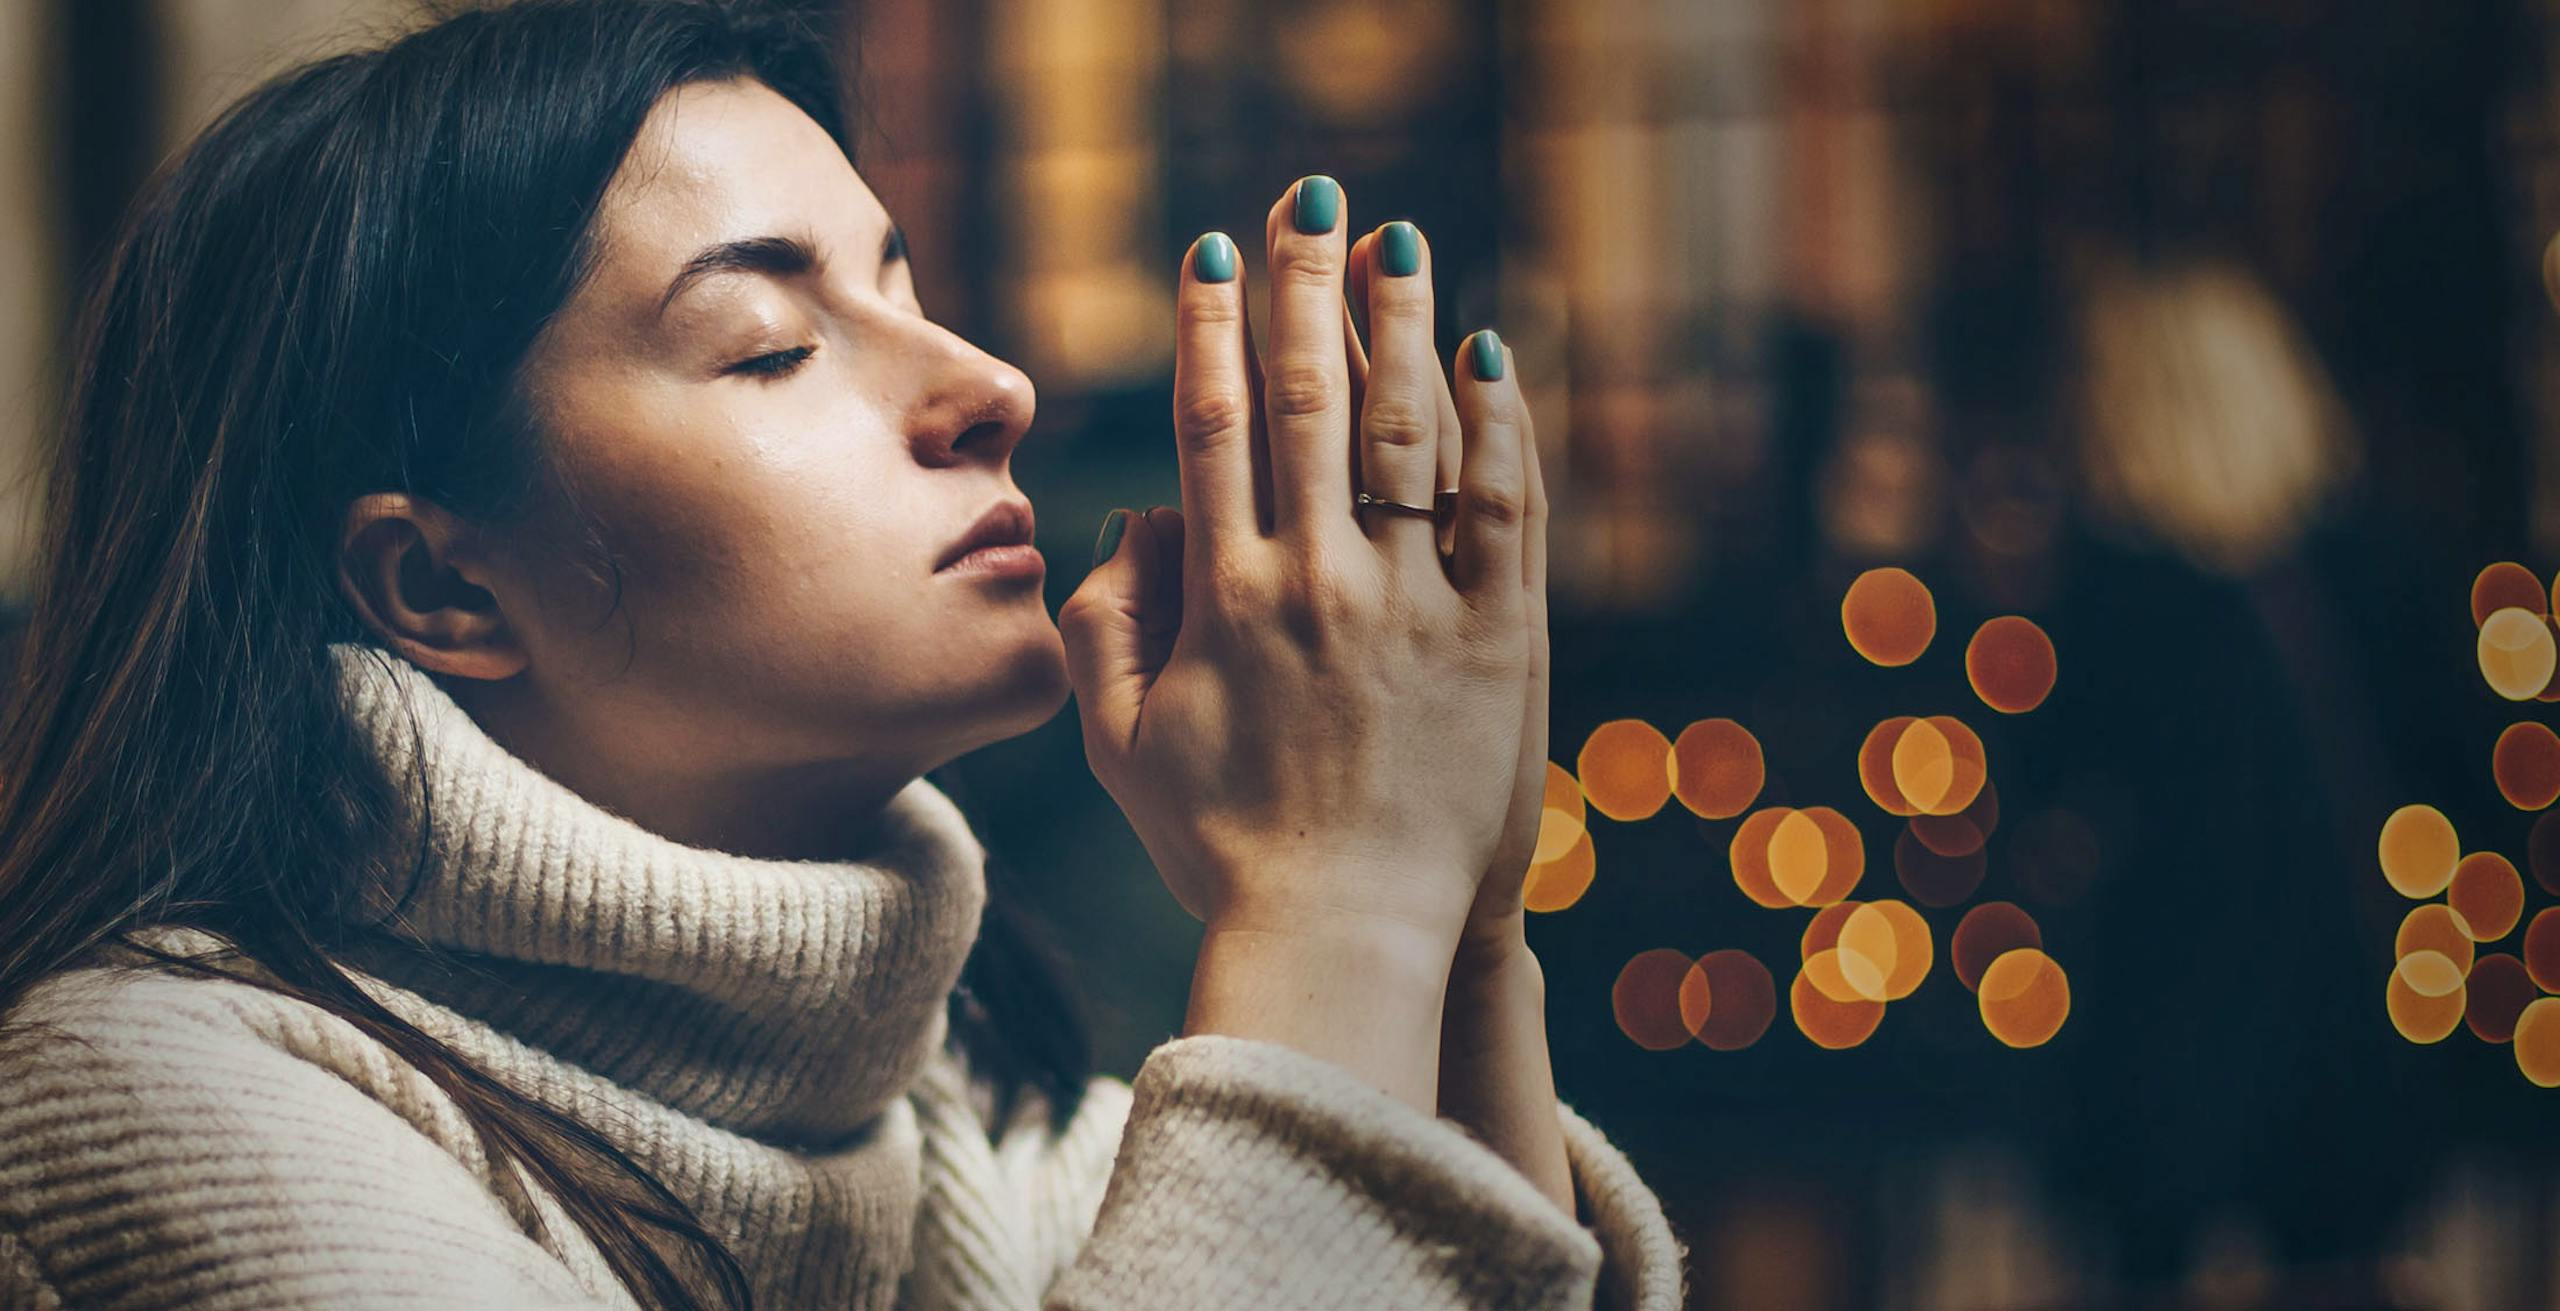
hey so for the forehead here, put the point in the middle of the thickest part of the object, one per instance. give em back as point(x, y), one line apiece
point(717, 161)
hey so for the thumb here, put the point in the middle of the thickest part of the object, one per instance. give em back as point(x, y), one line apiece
point(1104, 623)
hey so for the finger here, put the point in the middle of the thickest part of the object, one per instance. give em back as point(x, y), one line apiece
point(1306, 383)
point(1213, 410)
point(1533, 543)
point(1400, 420)
point(1450, 451)
point(1103, 624)
point(1355, 354)
point(1492, 502)
point(1160, 620)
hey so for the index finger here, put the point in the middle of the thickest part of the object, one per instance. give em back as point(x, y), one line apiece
point(1213, 408)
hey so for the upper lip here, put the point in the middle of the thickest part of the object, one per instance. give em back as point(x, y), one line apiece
point(1006, 523)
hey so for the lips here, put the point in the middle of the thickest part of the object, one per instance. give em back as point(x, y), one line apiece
point(1006, 523)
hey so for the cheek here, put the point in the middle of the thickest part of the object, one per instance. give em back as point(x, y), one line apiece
point(718, 523)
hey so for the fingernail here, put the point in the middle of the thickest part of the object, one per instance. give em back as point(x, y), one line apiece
point(1114, 526)
point(1400, 249)
point(1319, 203)
point(1214, 259)
point(1487, 349)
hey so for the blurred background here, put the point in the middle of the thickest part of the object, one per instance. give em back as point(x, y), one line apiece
point(2209, 335)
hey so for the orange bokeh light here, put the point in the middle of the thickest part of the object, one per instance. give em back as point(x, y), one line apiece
point(1823, 933)
point(2487, 894)
point(1844, 856)
point(1646, 999)
point(1561, 817)
point(2503, 585)
point(1799, 855)
point(1625, 768)
point(1875, 766)
point(2024, 997)
point(2499, 990)
point(1889, 616)
point(2526, 764)
point(1749, 856)
point(1716, 768)
point(1557, 884)
point(2435, 927)
point(2517, 653)
point(2542, 949)
point(1829, 1021)
point(1924, 765)
point(2419, 850)
point(1894, 937)
point(1728, 999)
point(1985, 934)
point(1970, 767)
point(2420, 1018)
point(2010, 663)
point(2538, 1042)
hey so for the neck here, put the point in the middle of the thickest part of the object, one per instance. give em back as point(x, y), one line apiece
point(802, 810)
point(788, 999)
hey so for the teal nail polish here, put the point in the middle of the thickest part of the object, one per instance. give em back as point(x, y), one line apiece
point(1214, 259)
point(1487, 350)
point(1114, 526)
point(1319, 203)
point(1400, 249)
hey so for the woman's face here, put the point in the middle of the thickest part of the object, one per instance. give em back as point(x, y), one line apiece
point(780, 456)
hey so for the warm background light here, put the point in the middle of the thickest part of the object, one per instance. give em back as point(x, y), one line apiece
point(1717, 770)
point(2010, 663)
point(1889, 616)
point(1646, 999)
point(1728, 999)
point(1986, 933)
point(2419, 850)
point(2506, 585)
point(2487, 895)
point(2517, 653)
point(2526, 765)
point(1625, 768)
point(2024, 997)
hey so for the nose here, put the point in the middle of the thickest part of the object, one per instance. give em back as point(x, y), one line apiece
point(974, 407)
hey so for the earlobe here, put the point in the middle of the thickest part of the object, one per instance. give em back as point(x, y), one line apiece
point(402, 568)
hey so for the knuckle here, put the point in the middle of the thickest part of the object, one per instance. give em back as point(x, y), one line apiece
point(1398, 418)
point(1208, 417)
point(1298, 389)
point(1300, 261)
point(1496, 504)
point(1207, 307)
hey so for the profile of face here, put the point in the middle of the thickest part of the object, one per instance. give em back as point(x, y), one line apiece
point(782, 453)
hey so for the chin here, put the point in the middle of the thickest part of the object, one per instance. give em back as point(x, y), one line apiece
point(1028, 688)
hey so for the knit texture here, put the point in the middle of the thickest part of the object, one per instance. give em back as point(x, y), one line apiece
point(766, 1036)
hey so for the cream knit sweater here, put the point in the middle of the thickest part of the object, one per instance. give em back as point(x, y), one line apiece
point(768, 1037)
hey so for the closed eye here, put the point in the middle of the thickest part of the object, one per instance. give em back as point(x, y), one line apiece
point(775, 364)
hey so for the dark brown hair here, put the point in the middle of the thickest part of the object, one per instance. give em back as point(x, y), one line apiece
point(330, 293)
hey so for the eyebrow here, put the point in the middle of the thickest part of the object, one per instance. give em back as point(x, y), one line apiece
point(774, 256)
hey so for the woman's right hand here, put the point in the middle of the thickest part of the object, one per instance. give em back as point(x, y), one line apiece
point(1310, 716)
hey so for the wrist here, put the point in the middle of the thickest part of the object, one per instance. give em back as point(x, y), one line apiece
point(1364, 992)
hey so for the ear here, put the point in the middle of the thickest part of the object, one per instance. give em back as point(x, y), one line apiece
point(412, 572)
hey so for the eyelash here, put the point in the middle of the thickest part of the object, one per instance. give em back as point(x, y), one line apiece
point(776, 364)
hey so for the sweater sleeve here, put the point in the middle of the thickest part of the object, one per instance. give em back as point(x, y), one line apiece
point(171, 1145)
point(1250, 1174)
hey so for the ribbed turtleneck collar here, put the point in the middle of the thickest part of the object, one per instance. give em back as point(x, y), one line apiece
point(784, 1000)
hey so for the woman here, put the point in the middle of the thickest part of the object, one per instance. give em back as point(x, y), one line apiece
point(516, 551)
